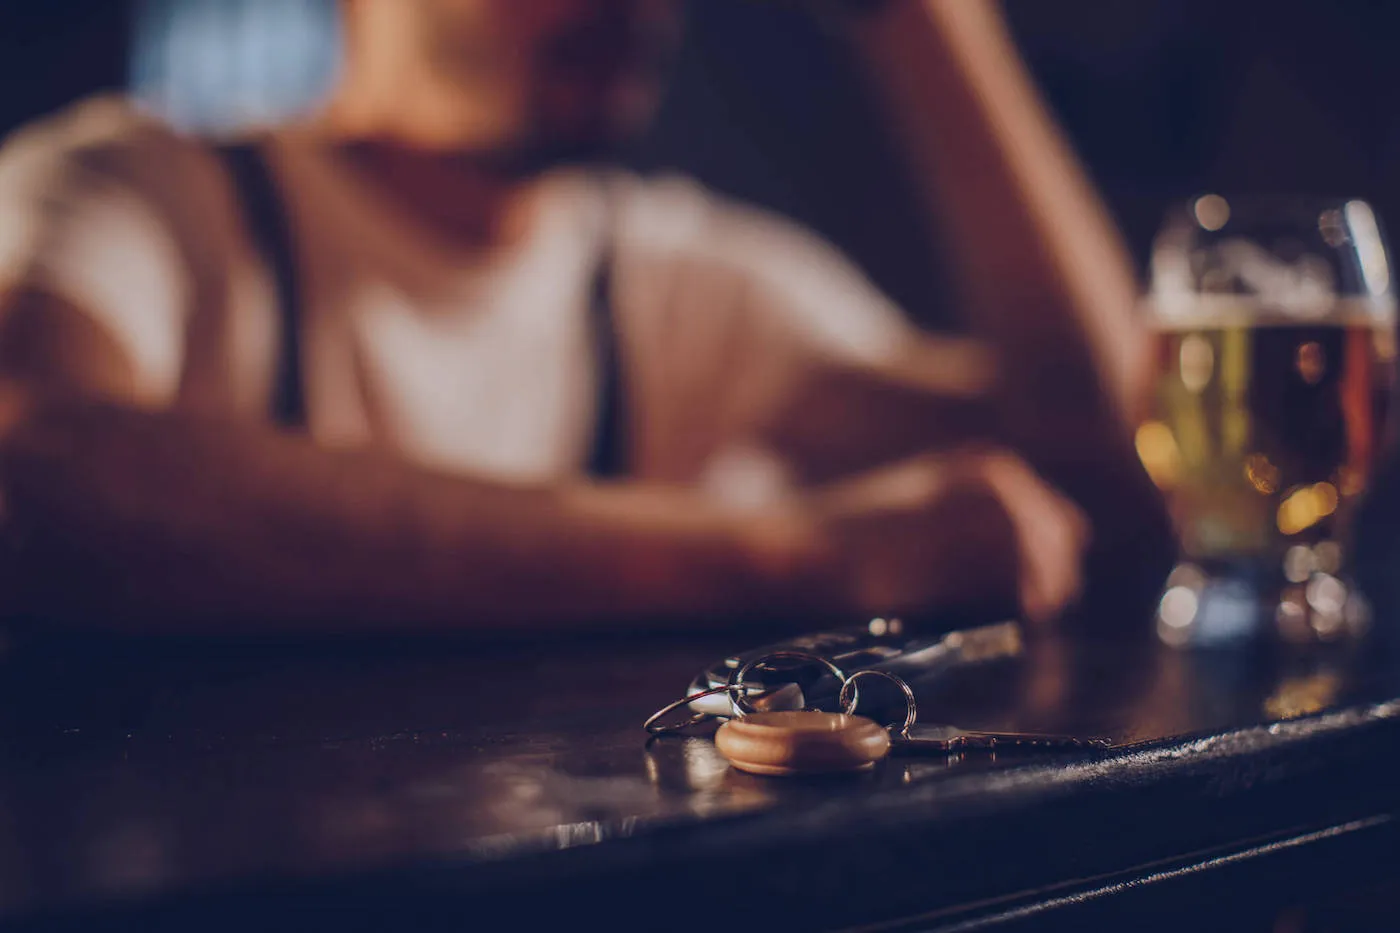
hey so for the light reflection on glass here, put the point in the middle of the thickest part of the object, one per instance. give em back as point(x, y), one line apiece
point(1332, 225)
point(1291, 617)
point(1158, 452)
point(1325, 497)
point(1175, 615)
point(1197, 363)
point(1298, 563)
point(1262, 474)
point(1370, 249)
point(1327, 556)
point(1327, 594)
point(1189, 576)
point(1327, 625)
point(1305, 507)
point(1349, 481)
point(1212, 212)
point(1311, 362)
point(1357, 615)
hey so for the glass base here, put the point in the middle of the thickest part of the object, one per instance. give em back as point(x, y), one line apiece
point(1227, 602)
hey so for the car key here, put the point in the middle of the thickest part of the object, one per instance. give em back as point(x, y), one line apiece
point(853, 650)
point(794, 742)
point(911, 736)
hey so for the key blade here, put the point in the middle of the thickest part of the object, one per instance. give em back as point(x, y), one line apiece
point(927, 737)
point(945, 738)
point(1030, 740)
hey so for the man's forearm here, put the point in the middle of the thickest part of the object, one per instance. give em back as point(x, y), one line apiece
point(165, 522)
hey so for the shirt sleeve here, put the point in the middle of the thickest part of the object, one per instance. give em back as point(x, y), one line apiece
point(805, 292)
point(816, 371)
point(79, 219)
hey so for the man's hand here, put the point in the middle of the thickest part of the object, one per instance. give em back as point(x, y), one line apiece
point(961, 530)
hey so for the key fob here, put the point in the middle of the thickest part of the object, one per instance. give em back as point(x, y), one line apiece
point(849, 649)
point(883, 645)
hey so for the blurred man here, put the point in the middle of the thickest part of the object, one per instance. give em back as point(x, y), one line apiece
point(417, 362)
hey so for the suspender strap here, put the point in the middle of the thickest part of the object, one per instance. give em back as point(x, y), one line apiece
point(270, 229)
point(608, 458)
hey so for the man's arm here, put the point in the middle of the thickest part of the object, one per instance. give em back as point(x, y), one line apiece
point(1045, 278)
point(158, 520)
point(1041, 265)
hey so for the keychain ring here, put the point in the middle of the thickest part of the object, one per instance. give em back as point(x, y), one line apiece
point(737, 679)
point(850, 696)
point(655, 726)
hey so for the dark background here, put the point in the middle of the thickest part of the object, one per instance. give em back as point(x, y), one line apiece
point(1163, 98)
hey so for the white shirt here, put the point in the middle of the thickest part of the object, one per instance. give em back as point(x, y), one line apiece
point(726, 315)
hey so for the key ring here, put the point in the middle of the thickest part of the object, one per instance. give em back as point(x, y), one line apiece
point(655, 726)
point(737, 679)
point(738, 686)
point(850, 696)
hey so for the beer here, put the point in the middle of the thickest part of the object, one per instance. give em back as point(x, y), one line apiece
point(1275, 339)
point(1264, 431)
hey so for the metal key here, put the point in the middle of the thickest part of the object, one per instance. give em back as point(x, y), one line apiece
point(931, 737)
point(912, 736)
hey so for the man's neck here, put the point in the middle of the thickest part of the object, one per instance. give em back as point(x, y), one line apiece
point(467, 202)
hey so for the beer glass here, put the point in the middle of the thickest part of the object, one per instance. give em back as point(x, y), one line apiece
point(1274, 334)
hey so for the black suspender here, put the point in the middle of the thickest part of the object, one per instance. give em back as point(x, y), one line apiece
point(270, 228)
point(608, 458)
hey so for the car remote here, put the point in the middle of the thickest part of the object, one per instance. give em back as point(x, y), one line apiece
point(881, 645)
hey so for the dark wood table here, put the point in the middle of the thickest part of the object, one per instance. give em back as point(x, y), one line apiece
point(405, 785)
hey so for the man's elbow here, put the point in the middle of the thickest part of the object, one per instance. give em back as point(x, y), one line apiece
point(57, 349)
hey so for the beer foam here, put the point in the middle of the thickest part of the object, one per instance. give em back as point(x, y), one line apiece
point(1210, 312)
